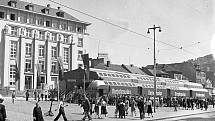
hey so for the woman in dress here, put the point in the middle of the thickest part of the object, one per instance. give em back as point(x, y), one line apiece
point(149, 107)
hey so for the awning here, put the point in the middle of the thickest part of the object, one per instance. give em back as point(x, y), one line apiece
point(199, 90)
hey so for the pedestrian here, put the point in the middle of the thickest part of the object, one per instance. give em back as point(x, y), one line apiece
point(61, 111)
point(42, 96)
point(35, 95)
point(133, 105)
point(87, 108)
point(121, 109)
point(13, 96)
point(37, 113)
point(141, 108)
point(103, 107)
point(27, 95)
point(38, 96)
point(212, 102)
point(3, 115)
point(126, 106)
point(149, 107)
point(175, 103)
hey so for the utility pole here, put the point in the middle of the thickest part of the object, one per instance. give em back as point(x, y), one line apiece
point(155, 86)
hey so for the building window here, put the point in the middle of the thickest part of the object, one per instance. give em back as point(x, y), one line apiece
point(41, 35)
point(42, 64)
point(13, 16)
point(48, 23)
point(80, 29)
point(54, 37)
point(28, 49)
point(14, 30)
point(54, 67)
point(40, 21)
point(41, 50)
point(13, 49)
point(80, 42)
point(12, 75)
point(2, 15)
point(79, 55)
point(23, 18)
point(63, 26)
point(28, 33)
point(54, 52)
point(31, 19)
point(28, 65)
point(72, 27)
point(66, 55)
point(55, 24)
point(66, 39)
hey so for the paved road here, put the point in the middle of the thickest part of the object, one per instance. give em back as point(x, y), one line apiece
point(22, 111)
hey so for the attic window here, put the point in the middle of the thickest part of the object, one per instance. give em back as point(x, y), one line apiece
point(45, 10)
point(60, 14)
point(29, 7)
point(12, 3)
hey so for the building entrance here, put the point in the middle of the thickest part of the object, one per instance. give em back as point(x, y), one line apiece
point(28, 82)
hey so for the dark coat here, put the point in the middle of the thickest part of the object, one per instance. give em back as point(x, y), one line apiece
point(37, 112)
point(2, 112)
point(86, 105)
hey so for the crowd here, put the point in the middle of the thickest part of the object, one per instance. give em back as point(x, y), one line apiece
point(124, 105)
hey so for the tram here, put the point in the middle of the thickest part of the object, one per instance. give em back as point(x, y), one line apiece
point(121, 83)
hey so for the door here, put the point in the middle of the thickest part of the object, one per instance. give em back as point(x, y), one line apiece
point(140, 91)
point(191, 93)
point(168, 93)
point(28, 82)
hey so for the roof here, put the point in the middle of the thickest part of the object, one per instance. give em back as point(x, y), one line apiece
point(112, 67)
point(133, 69)
point(37, 9)
point(158, 72)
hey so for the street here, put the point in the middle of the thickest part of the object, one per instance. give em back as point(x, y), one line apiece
point(22, 111)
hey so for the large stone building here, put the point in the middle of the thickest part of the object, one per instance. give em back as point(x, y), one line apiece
point(33, 35)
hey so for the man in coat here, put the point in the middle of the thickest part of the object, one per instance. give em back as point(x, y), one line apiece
point(141, 107)
point(2, 110)
point(61, 111)
point(37, 113)
point(87, 107)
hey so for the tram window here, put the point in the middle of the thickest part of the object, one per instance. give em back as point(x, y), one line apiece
point(117, 75)
point(123, 84)
point(104, 74)
point(113, 75)
point(128, 76)
point(121, 76)
point(118, 83)
point(138, 77)
point(130, 84)
point(100, 74)
point(109, 74)
point(110, 83)
point(114, 83)
point(126, 84)
point(124, 76)
point(133, 84)
point(105, 82)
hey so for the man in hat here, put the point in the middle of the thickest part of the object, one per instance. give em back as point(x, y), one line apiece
point(37, 113)
point(2, 110)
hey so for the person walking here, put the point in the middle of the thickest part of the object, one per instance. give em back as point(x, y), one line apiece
point(37, 113)
point(3, 115)
point(61, 111)
point(149, 107)
point(103, 107)
point(141, 108)
point(13, 96)
point(87, 108)
point(126, 106)
point(27, 95)
point(42, 95)
point(133, 105)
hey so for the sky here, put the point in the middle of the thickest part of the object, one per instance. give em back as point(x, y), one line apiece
point(187, 24)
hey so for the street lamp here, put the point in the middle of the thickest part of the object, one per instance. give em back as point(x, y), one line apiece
point(155, 89)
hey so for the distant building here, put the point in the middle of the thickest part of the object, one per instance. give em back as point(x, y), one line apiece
point(104, 56)
point(33, 35)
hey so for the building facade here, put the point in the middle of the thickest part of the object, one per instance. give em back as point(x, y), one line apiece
point(33, 39)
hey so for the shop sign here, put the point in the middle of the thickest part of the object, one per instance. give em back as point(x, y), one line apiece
point(180, 94)
point(200, 95)
point(120, 91)
point(152, 93)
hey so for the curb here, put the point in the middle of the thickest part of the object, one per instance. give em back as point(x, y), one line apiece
point(177, 116)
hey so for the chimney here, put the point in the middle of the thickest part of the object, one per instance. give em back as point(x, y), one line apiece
point(48, 5)
point(131, 65)
point(58, 8)
point(108, 63)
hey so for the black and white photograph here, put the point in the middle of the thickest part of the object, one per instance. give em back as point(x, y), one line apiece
point(107, 60)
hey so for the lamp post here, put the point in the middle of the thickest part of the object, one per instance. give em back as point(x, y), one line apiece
point(155, 89)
